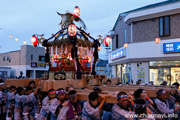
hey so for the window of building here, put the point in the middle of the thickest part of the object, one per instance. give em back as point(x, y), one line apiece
point(158, 75)
point(4, 58)
point(117, 41)
point(164, 26)
point(31, 57)
point(7, 58)
point(125, 35)
point(161, 71)
point(41, 58)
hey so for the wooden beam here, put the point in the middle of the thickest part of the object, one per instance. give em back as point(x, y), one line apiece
point(84, 96)
point(56, 84)
point(151, 92)
point(21, 82)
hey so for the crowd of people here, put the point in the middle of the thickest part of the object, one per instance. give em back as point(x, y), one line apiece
point(30, 103)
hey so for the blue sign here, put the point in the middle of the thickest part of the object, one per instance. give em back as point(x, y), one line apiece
point(171, 47)
point(118, 54)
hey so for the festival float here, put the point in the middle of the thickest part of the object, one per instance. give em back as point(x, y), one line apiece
point(71, 52)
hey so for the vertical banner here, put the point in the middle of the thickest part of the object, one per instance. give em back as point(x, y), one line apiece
point(126, 78)
point(141, 74)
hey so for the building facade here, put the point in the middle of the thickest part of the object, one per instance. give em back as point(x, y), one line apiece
point(102, 67)
point(143, 58)
point(28, 61)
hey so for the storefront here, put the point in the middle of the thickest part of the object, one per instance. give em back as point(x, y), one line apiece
point(160, 71)
point(133, 71)
point(122, 74)
point(140, 61)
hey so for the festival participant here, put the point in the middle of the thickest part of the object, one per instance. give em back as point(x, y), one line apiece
point(141, 110)
point(97, 89)
point(108, 82)
point(45, 113)
point(141, 94)
point(92, 108)
point(121, 111)
point(18, 104)
point(3, 96)
point(39, 97)
point(56, 106)
point(176, 94)
point(163, 104)
point(10, 102)
point(70, 88)
point(32, 84)
point(29, 101)
point(73, 110)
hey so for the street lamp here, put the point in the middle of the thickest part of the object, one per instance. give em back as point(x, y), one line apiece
point(24, 42)
point(16, 39)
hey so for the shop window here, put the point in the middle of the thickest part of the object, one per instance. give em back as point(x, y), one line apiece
point(175, 75)
point(121, 70)
point(164, 26)
point(164, 63)
point(159, 75)
point(118, 70)
point(41, 58)
point(7, 58)
point(31, 57)
point(125, 35)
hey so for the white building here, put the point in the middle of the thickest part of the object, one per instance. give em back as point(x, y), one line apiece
point(29, 60)
point(144, 59)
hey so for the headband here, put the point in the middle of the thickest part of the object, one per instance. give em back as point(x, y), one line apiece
point(122, 96)
point(161, 92)
point(1, 83)
point(60, 91)
point(52, 92)
point(72, 96)
point(143, 91)
point(139, 105)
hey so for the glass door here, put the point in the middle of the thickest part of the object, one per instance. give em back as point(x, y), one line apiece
point(158, 75)
point(175, 72)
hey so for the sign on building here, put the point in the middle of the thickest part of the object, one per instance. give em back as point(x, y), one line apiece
point(118, 54)
point(171, 47)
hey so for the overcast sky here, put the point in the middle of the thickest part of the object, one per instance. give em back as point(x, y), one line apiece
point(23, 18)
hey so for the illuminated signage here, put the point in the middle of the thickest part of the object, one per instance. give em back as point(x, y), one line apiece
point(171, 47)
point(118, 54)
